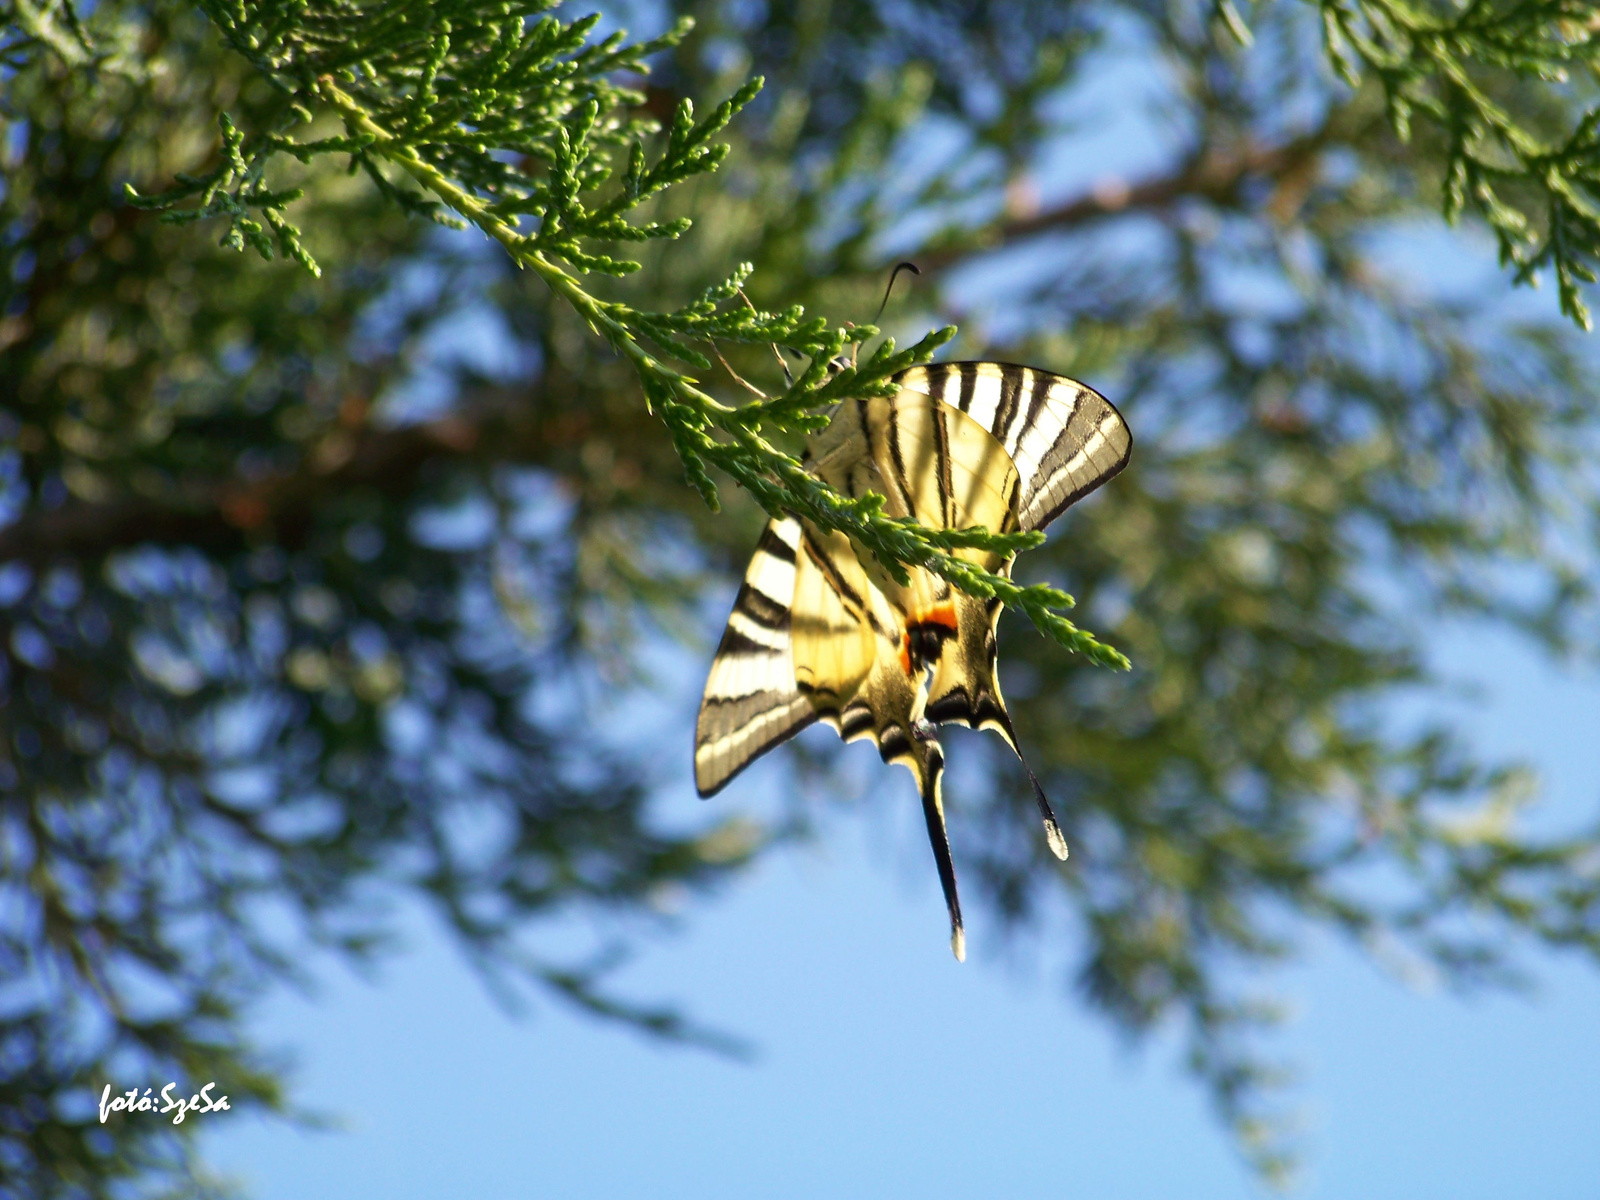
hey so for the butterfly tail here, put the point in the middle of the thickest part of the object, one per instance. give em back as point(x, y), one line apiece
point(930, 779)
point(1000, 721)
point(1052, 828)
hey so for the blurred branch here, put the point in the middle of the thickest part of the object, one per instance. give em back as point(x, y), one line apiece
point(38, 24)
point(1212, 174)
point(226, 515)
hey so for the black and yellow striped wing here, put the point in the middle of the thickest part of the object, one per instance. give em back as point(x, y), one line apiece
point(751, 701)
point(822, 631)
point(963, 444)
point(1064, 438)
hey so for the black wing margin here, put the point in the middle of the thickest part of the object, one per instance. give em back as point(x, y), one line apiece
point(1065, 438)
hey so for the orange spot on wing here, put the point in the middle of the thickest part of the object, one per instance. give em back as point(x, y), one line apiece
point(905, 653)
point(940, 614)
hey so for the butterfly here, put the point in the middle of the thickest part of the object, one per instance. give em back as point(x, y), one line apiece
point(820, 632)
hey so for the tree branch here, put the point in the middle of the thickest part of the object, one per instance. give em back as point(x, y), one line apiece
point(1211, 174)
point(228, 515)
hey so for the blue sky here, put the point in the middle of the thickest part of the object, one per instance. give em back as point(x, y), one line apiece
point(886, 1069)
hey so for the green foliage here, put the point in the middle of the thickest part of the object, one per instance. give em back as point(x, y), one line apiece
point(516, 127)
point(1535, 182)
point(291, 594)
point(231, 671)
point(28, 27)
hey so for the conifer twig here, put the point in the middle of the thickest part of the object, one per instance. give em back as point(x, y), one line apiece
point(473, 113)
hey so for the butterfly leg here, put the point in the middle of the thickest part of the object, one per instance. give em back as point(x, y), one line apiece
point(931, 777)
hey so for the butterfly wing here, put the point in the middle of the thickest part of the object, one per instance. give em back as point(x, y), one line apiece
point(827, 653)
point(960, 444)
point(936, 465)
point(861, 686)
point(751, 701)
point(886, 710)
point(1064, 438)
point(832, 623)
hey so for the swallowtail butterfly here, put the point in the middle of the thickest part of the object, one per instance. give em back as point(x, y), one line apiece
point(820, 632)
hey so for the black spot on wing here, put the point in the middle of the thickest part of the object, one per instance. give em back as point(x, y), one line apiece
point(879, 628)
point(1037, 395)
point(897, 460)
point(856, 720)
point(1078, 493)
point(988, 709)
point(955, 706)
point(1091, 412)
point(741, 698)
point(830, 573)
point(735, 644)
point(942, 469)
point(893, 743)
point(751, 754)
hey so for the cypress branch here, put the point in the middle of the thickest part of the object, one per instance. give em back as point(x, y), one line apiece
point(1540, 196)
point(444, 94)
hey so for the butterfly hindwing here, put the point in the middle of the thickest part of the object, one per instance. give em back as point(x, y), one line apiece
point(886, 708)
point(831, 623)
point(935, 463)
point(830, 655)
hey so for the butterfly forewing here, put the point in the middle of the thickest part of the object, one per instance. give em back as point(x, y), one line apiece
point(1064, 439)
point(751, 701)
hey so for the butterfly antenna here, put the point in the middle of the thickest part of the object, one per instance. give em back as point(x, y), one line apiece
point(893, 275)
point(932, 776)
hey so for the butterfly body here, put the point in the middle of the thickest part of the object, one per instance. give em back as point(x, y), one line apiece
point(822, 631)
